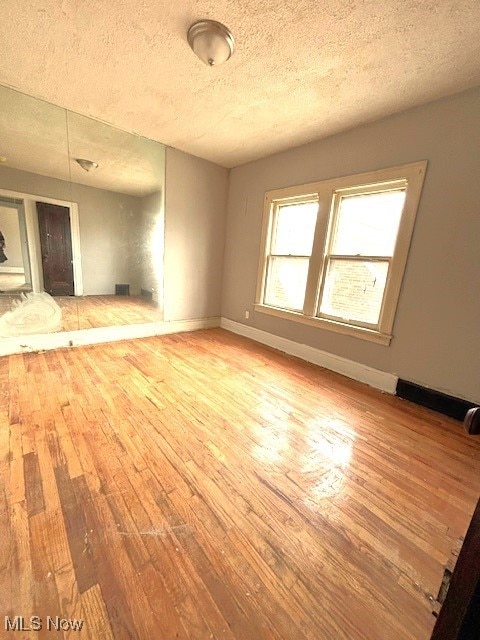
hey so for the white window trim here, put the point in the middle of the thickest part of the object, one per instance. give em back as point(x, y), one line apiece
point(411, 175)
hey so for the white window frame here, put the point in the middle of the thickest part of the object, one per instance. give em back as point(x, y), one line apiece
point(304, 199)
point(410, 176)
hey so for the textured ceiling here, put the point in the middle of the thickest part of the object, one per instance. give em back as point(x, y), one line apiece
point(302, 69)
point(41, 138)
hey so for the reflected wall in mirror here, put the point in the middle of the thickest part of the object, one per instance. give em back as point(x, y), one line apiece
point(90, 236)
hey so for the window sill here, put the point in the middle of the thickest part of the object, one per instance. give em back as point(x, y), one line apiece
point(329, 325)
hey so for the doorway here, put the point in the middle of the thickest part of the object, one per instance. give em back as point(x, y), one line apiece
point(15, 272)
point(56, 249)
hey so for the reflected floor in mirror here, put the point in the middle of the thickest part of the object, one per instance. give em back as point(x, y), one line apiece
point(98, 311)
point(13, 282)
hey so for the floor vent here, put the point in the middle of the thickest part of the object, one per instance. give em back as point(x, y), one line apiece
point(122, 289)
point(441, 402)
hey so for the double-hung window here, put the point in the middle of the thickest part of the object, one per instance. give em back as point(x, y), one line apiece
point(334, 252)
point(293, 226)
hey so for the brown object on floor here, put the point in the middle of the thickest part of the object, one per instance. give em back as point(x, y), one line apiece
point(201, 486)
point(472, 421)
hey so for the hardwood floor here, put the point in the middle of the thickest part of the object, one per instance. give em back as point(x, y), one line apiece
point(201, 486)
point(98, 311)
point(106, 311)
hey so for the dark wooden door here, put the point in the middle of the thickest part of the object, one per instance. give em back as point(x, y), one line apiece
point(56, 245)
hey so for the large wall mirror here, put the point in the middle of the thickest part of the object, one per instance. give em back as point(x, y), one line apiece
point(81, 219)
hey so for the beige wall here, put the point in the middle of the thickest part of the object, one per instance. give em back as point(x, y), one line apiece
point(109, 226)
point(195, 205)
point(151, 250)
point(437, 328)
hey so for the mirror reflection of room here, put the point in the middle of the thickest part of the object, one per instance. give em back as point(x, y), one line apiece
point(81, 212)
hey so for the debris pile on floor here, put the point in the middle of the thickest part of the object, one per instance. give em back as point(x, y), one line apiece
point(33, 313)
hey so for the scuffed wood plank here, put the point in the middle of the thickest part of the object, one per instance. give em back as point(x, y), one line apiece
point(117, 599)
point(95, 616)
point(77, 531)
point(46, 601)
point(33, 484)
point(5, 532)
point(21, 574)
point(16, 476)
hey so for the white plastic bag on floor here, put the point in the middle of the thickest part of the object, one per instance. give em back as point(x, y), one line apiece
point(33, 313)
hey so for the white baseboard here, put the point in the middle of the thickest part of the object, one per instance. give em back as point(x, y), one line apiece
point(379, 379)
point(49, 341)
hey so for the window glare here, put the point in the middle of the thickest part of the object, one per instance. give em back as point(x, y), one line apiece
point(294, 229)
point(286, 282)
point(368, 224)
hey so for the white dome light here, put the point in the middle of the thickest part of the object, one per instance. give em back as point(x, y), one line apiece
point(211, 41)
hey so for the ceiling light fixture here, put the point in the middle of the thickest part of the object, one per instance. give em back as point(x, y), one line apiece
point(87, 165)
point(211, 41)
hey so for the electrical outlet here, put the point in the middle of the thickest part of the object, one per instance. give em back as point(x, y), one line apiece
point(247, 315)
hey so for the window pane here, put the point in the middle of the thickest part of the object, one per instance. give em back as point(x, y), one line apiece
point(286, 282)
point(367, 225)
point(294, 229)
point(354, 290)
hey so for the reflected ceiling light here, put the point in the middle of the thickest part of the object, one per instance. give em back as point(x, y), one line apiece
point(87, 165)
point(211, 41)
point(3, 159)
